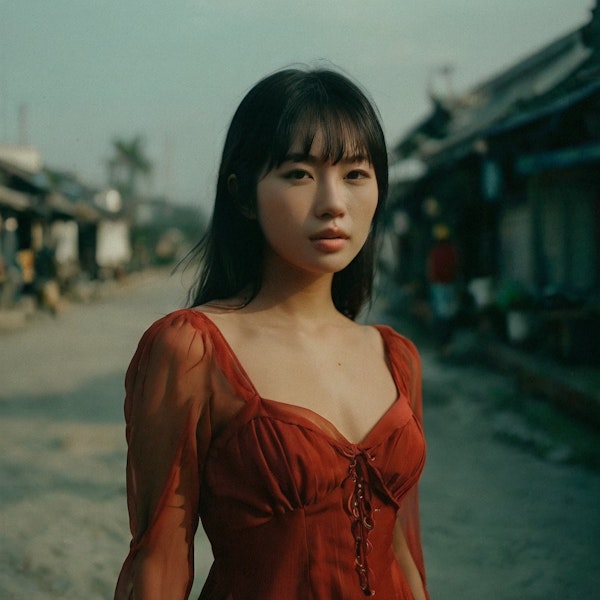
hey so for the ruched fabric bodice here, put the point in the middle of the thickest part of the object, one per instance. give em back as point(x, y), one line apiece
point(292, 509)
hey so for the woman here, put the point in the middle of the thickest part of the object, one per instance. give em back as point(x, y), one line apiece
point(293, 432)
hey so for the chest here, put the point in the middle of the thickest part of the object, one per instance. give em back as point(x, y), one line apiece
point(348, 383)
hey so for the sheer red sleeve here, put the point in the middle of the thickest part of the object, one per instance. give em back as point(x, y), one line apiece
point(167, 431)
point(408, 515)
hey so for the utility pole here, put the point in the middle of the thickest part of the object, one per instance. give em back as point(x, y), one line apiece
point(3, 77)
point(23, 124)
point(447, 71)
point(168, 168)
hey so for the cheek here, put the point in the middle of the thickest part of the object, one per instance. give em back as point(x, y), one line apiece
point(277, 222)
point(365, 211)
point(279, 210)
point(372, 209)
point(266, 207)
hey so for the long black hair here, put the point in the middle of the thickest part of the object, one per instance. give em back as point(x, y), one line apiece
point(287, 107)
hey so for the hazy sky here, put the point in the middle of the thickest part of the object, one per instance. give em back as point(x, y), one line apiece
point(175, 70)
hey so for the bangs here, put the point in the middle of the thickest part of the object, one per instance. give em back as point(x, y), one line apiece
point(342, 135)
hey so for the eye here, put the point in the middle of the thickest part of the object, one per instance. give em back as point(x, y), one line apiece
point(297, 174)
point(356, 174)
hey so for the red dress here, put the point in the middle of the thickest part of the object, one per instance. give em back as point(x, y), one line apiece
point(292, 509)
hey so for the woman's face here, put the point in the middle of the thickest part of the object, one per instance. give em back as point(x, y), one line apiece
point(316, 215)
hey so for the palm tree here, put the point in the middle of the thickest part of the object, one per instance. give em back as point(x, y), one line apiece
point(128, 163)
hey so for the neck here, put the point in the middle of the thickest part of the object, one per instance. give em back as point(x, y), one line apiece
point(294, 296)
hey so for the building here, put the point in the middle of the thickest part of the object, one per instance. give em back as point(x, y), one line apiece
point(513, 166)
point(54, 227)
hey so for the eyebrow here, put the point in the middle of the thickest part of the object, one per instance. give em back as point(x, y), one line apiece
point(313, 160)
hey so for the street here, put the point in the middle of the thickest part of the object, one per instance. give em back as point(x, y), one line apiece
point(510, 509)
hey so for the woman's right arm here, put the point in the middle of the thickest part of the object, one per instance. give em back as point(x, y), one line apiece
point(167, 430)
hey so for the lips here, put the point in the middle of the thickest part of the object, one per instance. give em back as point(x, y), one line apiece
point(329, 241)
point(330, 234)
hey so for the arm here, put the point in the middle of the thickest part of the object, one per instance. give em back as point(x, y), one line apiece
point(163, 564)
point(408, 565)
point(166, 411)
point(407, 534)
point(158, 572)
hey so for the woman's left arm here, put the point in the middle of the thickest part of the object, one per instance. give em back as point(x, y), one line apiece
point(407, 563)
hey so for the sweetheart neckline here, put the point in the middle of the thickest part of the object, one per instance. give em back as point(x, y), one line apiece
point(338, 437)
point(296, 409)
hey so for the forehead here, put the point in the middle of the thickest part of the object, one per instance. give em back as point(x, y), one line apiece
point(327, 146)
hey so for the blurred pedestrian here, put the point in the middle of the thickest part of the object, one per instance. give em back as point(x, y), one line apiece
point(292, 431)
point(442, 273)
point(11, 282)
point(46, 282)
point(11, 278)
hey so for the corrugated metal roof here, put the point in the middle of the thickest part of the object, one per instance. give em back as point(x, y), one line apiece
point(549, 81)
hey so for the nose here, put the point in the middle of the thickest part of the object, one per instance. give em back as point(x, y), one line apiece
point(329, 202)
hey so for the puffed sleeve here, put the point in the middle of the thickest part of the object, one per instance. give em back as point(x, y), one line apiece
point(409, 515)
point(167, 419)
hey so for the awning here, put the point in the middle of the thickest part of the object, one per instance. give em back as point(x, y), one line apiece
point(86, 212)
point(557, 159)
point(13, 199)
point(60, 206)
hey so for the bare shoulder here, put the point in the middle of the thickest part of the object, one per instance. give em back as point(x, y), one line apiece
point(364, 336)
point(228, 317)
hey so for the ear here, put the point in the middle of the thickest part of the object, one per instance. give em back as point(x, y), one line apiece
point(233, 187)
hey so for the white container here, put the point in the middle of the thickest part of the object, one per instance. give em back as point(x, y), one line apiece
point(482, 290)
point(518, 326)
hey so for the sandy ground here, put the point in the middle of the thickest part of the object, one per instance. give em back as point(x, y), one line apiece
point(500, 521)
point(62, 499)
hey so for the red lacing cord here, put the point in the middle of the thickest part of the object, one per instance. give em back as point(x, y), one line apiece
point(361, 512)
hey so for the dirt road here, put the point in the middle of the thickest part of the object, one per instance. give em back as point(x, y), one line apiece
point(501, 519)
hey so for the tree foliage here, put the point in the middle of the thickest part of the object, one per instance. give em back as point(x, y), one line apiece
point(128, 164)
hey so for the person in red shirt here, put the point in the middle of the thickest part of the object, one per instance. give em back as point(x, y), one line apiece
point(442, 274)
